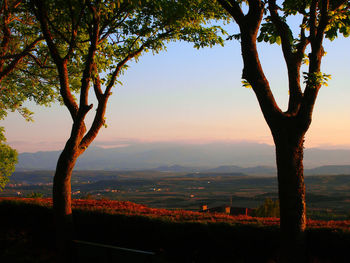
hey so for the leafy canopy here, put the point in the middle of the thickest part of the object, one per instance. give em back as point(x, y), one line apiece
point(25, 71)
point(8, 159)
point(91, 42)
point(269, 208)
point(126, 26)
point(338, 23)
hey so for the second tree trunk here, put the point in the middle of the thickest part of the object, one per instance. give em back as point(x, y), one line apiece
point(291, 189)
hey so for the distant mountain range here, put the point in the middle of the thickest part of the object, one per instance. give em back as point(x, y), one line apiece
point(177, 157)
point(255, 170)
point(223, 169)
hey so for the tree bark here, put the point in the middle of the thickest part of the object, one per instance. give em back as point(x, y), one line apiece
point(288, 128)
point(291, 188)
point(62, 203)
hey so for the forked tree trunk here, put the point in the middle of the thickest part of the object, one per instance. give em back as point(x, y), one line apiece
point(62, 204)
point(291, 189)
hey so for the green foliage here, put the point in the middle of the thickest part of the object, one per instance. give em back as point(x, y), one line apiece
point(91, 43)
point(128, 25)
point(292, 7)
point(25, 70)
point(246, 84)
point(316, 78)
point(339, 22)
point(35, 195)
point(8, 159)
point(270, 208)
point(268, 33)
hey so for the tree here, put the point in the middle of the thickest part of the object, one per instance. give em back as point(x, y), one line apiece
point(270, 208)
point(321, 18)
point(95, 40)
point(8, 160)
point(35, 195)
point(23, 67)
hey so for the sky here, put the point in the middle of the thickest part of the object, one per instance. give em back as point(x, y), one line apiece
point(196, 96)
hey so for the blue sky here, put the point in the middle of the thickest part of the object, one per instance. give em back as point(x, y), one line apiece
point(196, 96)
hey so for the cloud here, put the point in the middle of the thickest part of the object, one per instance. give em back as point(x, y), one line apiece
point(35, 146)
point(30, 146)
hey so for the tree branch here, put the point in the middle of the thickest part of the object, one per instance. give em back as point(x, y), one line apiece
point(61, 64)
point(123, 8)
point(313, 20)
point(282, 29)
point(252, 70)
point(323, 21)
point(17, 59)
point(255, 7)
point(74, 29)
point(334, 5)
point(295, 92)
point(304, 41)
point(233, 8)
point(97, 83)
point(102, 103)
point(40, 12)
point(315, 57)
point(293, 59)
point(119, 67)
point(85, 81)
point(40, 63)
point(5, 31)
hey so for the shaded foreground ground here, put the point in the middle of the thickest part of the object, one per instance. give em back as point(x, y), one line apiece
point(27, 233)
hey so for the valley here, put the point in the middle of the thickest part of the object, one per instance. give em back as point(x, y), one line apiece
point(328, 196)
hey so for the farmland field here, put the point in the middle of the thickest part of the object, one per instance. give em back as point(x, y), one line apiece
point(328, 197)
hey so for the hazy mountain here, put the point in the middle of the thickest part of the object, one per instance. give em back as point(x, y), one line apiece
point(250, 170)
point(152, 155)
point(201, 175)
point(225, 169)
point(320, 157)
point(329, 170)
point(181, 157)
point(178, 169)
point(38, 160)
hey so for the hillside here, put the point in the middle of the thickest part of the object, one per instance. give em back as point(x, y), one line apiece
point(174, 236)
point(180, 216)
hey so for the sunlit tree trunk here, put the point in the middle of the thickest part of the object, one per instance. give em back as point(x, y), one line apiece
point(62, 207)
point(62, 197)
point(291, 190)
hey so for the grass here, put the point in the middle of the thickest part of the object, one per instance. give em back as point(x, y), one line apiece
point(179, 236)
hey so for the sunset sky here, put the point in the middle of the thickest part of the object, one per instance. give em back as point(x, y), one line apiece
point(196, 96)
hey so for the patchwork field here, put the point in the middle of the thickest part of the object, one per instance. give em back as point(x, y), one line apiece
point(328, 197)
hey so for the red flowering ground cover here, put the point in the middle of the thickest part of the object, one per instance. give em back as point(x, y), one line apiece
point(129, 208)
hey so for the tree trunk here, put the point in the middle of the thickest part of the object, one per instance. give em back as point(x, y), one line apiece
point(291, 188)
point(62, 203)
